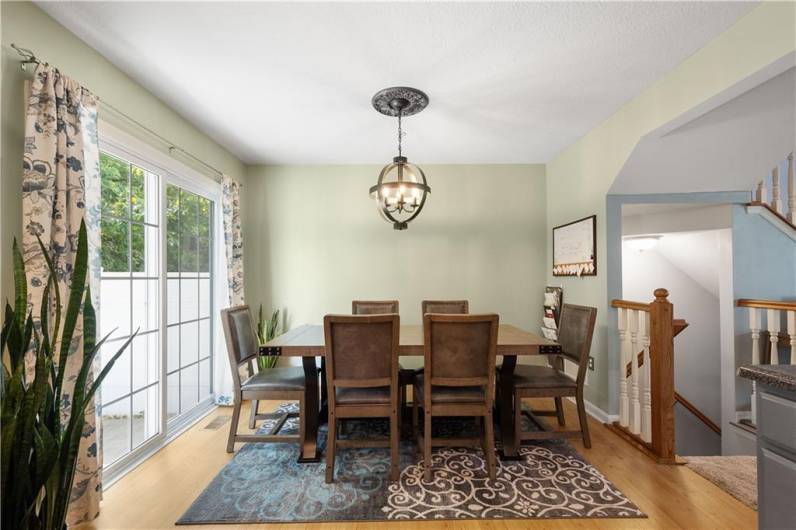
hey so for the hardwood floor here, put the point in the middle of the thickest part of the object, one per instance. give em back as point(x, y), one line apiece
point(155, 494)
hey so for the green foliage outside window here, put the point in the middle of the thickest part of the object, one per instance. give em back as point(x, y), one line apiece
point(123, 214)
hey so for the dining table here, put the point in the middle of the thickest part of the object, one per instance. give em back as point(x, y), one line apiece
point(307, 341)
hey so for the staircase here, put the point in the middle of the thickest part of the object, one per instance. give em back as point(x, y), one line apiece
point(767, 198)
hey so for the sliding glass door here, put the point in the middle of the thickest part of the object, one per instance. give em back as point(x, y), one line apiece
point(166, 374)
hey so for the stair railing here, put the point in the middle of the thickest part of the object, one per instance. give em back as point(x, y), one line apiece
point(767, 316)
point(646, 375)
point(785, 209)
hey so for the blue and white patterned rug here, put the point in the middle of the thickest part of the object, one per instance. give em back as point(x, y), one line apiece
point(264, 483)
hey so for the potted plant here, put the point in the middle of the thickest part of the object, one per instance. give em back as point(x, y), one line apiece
point(266, 330)
point(39, 449)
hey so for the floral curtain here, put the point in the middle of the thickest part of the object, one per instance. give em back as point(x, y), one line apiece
point(60, 187)
point(233, 242)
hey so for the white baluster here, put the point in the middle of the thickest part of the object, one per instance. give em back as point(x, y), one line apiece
point(646, 395)
point(772, 320)
point(635, 404)
point(761, 192)
point(754, 326)
point(623, 401)
point(792, 334)
point(776, 196)
point(791, 215)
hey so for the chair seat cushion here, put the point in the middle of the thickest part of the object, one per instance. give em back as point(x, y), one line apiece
point(363, 396)
point(450, 394)
point(531, 376)
point(276, 379)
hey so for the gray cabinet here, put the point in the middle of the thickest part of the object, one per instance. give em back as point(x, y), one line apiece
point(776, 457)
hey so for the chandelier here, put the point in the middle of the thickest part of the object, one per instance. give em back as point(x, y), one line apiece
point(402, 189)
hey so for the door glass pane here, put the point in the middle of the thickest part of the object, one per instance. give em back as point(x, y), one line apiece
point(173, 348)
point(145, 305)
point(189, 298)
point(137, 194)
point(117, 383)
point(189, 388)
point(173, 396)
point(204, 338)
point(115, 430)
point(145, 413)
point(115, 245)
point(204, 297)
point(115, 194)
point(189, 343)
point(172, 229)
point(173, 295)
point(114, 309)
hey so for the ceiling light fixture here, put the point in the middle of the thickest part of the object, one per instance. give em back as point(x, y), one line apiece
point(402, 189)
point(642, 243)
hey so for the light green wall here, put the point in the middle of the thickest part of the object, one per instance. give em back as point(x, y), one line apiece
point(314, 241)
point(27, 26)
point(578, 178)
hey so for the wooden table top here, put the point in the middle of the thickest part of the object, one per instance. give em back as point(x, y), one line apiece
point(308, 341)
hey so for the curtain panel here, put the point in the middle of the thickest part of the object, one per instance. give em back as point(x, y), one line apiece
point(61, 187)
point(233, 244)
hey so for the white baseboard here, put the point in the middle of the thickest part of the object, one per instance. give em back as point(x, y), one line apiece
point(597, 413)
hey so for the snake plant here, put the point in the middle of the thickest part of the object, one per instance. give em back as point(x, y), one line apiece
point(266, 330)
point(42, 424)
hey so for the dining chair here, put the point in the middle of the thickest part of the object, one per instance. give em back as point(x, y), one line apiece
point(575, 331)
point(286, 383)
point(406, 376)
point(453, 307)
point(362, 377)
point(458, 380)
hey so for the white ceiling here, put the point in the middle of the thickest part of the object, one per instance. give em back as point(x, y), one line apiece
point(292, 82)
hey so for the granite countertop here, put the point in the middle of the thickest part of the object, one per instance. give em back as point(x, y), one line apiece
point(782, 376)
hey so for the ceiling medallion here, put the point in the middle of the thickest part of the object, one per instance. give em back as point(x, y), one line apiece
point(402, 189)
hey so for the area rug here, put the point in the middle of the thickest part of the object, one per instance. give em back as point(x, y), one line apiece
point(737, 475)
point(264, 483)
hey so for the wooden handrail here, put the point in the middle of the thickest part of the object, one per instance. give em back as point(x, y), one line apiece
point(626, 304)
point(696, 412)
point(766, 304)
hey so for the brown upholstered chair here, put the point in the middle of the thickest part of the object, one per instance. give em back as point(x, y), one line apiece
point(406, 376)
point(575, 330)
point(458, 379)
point(362, 377)
point(451, 307)
point(276, 383)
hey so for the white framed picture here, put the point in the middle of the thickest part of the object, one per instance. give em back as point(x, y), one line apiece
point(575, 248)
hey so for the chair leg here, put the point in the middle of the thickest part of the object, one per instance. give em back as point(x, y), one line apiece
point(584, 423)
point(400, 412)
point(302, 419)
point(427, 446)
point(415, 408)
point(395, 436)
point(253, 414)
point(233, 427)
point(331, 443)
point(490, 445)
point(560, 412)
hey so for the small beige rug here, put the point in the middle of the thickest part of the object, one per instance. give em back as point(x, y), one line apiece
point(737, 475)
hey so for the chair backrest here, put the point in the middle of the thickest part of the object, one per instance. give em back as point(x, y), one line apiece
point(361, 350)
point(451, 307)
point(242, 343)
point(374, 307)
point(460, 350)
point(575, 331)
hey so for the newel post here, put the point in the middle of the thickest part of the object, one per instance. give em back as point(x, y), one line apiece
point(662, 376)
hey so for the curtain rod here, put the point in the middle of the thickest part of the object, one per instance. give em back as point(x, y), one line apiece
point(28, 57)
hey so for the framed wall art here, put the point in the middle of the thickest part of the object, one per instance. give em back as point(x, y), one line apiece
point(575, 248)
